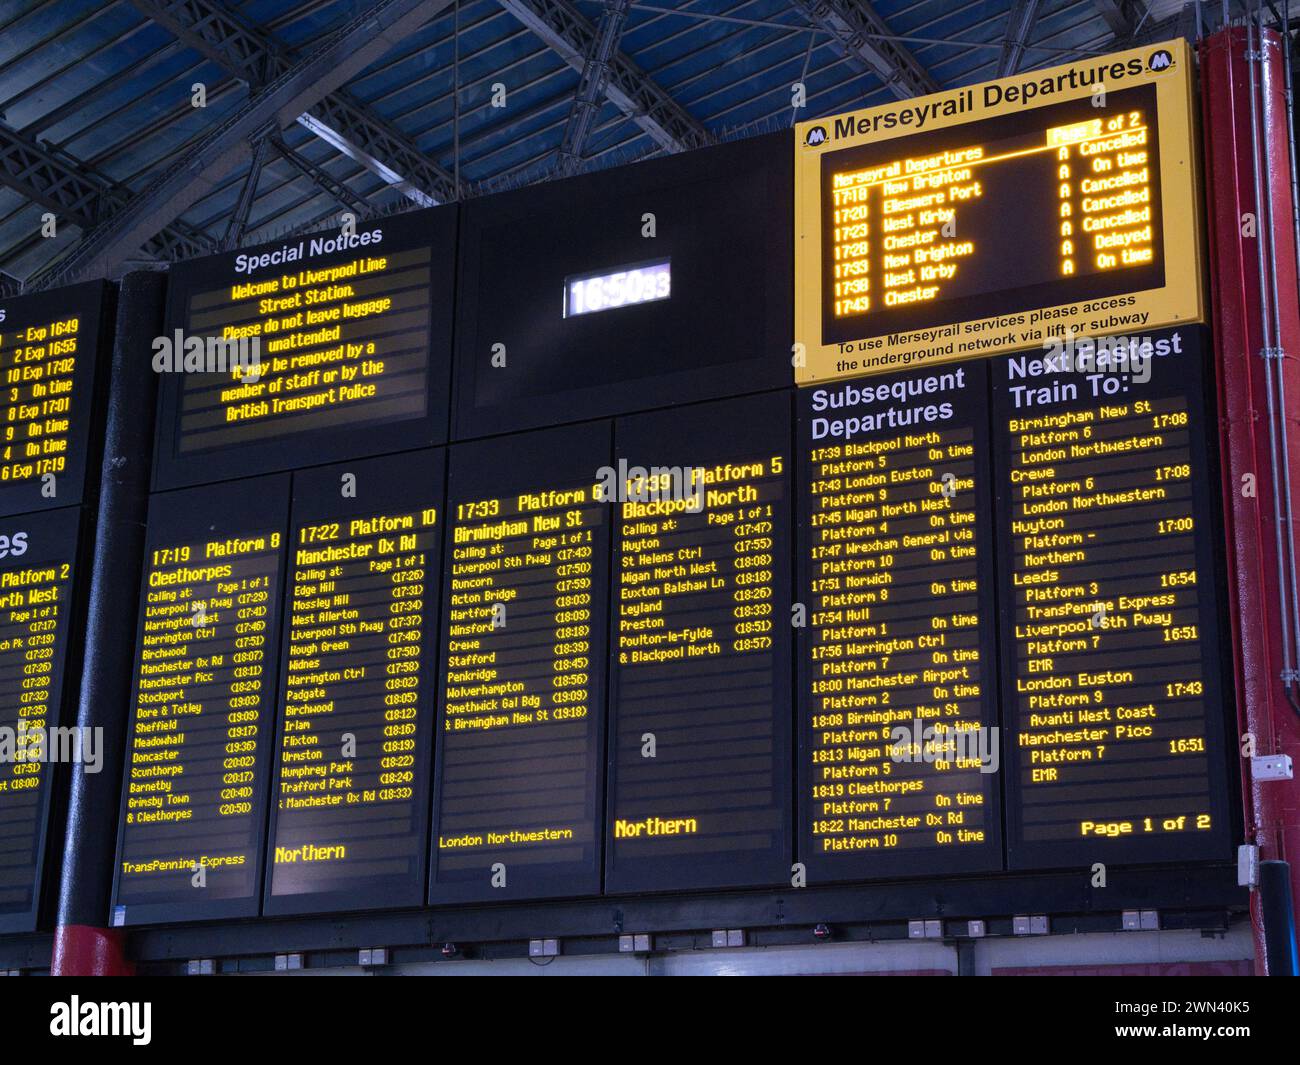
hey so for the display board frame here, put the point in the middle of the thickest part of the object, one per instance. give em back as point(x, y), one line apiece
point(1167, 66)
point(1194, 380)
point(380, 485)
point(739, 431)
point(560, 458)
point(67, 525)
point(182, 517)
point(875, 863)
point(521, 364)
point(79, 483)
point(434, 228)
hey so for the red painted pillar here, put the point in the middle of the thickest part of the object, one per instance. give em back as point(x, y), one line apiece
point(1272, 808)
point(83, 950)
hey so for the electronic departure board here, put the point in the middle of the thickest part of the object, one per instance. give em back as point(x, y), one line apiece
point(314, 349)
point(350, 791)
point(626, 289)
point(521, 712)
point(192, 825)
point(987, 218)
point(50, 347)
point(1113, 700)
point(700, 649)
point(38, 626)
point(899, 761)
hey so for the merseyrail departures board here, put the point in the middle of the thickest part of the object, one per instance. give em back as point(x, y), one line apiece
point(993, 217)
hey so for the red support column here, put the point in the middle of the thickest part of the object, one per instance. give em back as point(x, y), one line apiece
point(81, 950)
point(1237, 225)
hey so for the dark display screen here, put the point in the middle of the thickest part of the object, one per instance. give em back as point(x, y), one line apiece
point(1113, 698)
point(700, 649)
point(531, 349)
point(313, 349)
point(898, 769)
point(190, 839)
point(1027, 210)
point(49, 357)
point(38, 561)
point(521, 730)
point(350, 792)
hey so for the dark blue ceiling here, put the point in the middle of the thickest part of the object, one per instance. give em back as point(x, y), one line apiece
point(109, 90)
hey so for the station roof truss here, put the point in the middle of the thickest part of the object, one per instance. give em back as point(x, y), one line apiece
point(137, 132)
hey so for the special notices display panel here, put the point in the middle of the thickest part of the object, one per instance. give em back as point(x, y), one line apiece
point(38, 563)
point(350, 788)
point(328, 346)
point(522, 700)
point(899, 764)
point(1113, 704)
point(700, 649)
point(50, 360)
point(193, 817)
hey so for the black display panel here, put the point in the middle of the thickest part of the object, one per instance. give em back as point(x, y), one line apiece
point(354, 350)
point(899, 758)
point(193, 819)
point(700, 649)
point(50, 346)
point(522, 710)
point(1114, 704)
point(1009, 214)
point(350, 791)
point(560, 321)
point(39, 629)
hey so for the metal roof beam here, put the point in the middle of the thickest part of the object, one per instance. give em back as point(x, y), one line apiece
point(627, 86)
point(1020, 21)
point(865, 37)
point(244, 205)
point(237, 47)
point(591, 84)
point(250, 54)
point(341, 56)
point(1122, 16)
point(1181, 23)
point(80, 196)
point(320, 177)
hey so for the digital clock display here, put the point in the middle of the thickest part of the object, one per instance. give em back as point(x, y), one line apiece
point(638, 283)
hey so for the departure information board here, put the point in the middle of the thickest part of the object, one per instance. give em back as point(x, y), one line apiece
point(700, 649)
point(1113, 696)
point(192, 826)
point(311, 350)
point(49, 360)
point(987, 218)
point(38, 562)
point(899, 761)
point(350, 793)
point(521, 713)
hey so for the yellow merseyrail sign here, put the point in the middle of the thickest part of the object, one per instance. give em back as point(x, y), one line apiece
point(996, 217)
